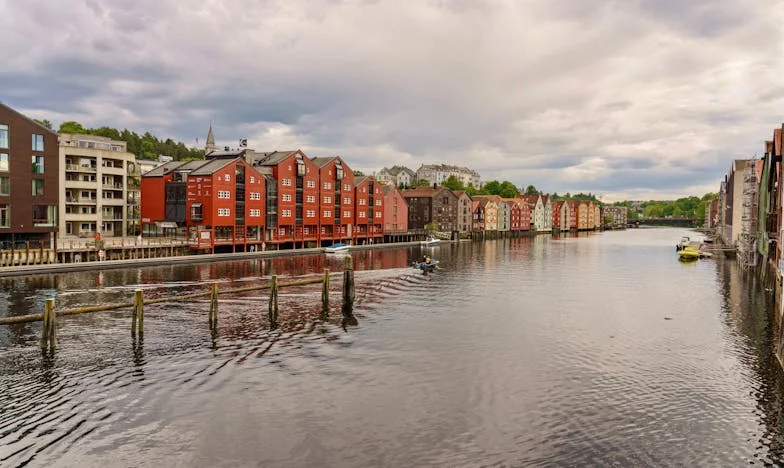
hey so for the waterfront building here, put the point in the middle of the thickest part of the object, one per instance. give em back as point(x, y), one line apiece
point(485, 213)
point(399, 176)
point(547, 218)
point(464, 211)
point(517, 217)
point(296, 202)
point(29, 182)
point(542, 211)
point(225, 204)
point(614, 216)
point(583, 210)
point(431, 204)
point(336, 200)
point(395, 210)
point(369, 210)
point(163, 197)
point(97, 186)
point(438, 173)
point(557, 215)
point(734, 202)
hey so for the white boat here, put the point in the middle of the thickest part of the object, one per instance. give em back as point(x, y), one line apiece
point(431, 242)
point(335, 248)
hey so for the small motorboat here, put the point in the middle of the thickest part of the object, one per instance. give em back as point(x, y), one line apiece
point(431, 242)
point(426, 265)
point(688, 253)
point(336, 248)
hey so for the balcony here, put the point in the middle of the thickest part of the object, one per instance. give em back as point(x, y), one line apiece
point(81, 200)
point(79, 168)
point(111, 217)
point(112, 186)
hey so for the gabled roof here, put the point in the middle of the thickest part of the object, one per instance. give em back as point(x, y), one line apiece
point(213, 166)
point(11, 109)
point(459, 193)
point(272, 158)
point(322, 161)
point(360, 180)
point(164, 169)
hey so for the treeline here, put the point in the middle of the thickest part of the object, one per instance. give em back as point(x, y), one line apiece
point(687, 207)
point(146, 146)
point(503, 189)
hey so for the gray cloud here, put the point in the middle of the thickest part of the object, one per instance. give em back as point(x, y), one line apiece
point(630, 98)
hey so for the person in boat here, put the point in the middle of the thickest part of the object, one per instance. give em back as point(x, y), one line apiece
point(427, 259)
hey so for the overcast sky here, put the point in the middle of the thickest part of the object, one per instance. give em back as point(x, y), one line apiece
point(631, 99)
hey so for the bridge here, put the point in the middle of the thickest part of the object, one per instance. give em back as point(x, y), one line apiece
point(679, 222)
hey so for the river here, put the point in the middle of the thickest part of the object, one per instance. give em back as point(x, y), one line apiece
point(598, 349)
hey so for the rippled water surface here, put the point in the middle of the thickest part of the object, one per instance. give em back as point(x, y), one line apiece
point(599, 349)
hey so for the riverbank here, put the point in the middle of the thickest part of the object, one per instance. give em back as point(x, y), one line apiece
point(27, 270)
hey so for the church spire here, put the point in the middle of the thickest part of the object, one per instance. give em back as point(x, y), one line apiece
point(210, 146)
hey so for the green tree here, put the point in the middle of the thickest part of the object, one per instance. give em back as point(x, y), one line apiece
point(492, 187)
point(71, 127)
point(453, 183)
point(508, 190)
point(358, 173)
point(431, 226)
point(421, 183)
point(531, 190)
point(44, 123)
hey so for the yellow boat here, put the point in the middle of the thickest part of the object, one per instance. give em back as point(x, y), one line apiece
point(688, 253)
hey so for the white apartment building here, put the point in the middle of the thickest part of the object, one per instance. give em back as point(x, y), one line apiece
point(94, 187)
point(438, 173)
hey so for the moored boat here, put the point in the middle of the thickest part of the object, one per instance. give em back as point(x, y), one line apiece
point(431, 242)
point(335, 248)
point(688, 253)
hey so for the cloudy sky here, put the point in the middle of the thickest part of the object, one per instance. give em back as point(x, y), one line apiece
point(631, 99)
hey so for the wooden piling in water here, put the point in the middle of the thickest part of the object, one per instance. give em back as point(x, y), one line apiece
point(273, 304)
point(348, 286)
point(45, 327)
point(137, 320)
point(325, 296)
point(52, 323)
point(213, 306)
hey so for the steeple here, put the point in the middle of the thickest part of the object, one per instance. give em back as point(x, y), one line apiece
point(210, 146)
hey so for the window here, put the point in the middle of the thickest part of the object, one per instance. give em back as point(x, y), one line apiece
point(38, 142)
point(311, 184)
point(346, 187)
point(378, 214)
point(346, 201)
point(362, 202)
point(362, 214)
point(327, 199)
point(3, 161)
point(311, 198)
point(38, 164)
point(255, 196)
point(286, 213)
point(346, 214)
point(252, 180)
point(225, 194)
point(227, 178)
point(196, 212)
point(378, 202)
point(310, 214)
point(4, 136)
point(327, 214)
point(323, 230)
point(286, 197)
point(5, 215)
point(44, 215)
point(255, 213)
point(285, 182)
point(224, 211)
point(38, 187)
point(327, 185)
point(5, 186)
point(282, 231)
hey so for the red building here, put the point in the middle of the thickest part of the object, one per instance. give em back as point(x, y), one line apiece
point(163, 195)
point(225, 205)
point(517, 220)
point(557, 208)
point(368, 210)
point(336, 200)
point(295, 199)
point(395, 211)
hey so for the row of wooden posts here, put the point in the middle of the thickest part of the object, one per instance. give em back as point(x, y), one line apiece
point(50, 315)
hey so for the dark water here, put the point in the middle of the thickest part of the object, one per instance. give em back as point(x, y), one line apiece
point(594, 350)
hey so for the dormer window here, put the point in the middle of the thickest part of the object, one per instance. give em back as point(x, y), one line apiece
point(300, 166)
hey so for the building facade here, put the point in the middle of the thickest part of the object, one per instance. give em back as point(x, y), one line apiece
point(97, 187)
point(336, 198)
point(29, 182)
point(464, 212)
point(429, 204)
point(438, 173)
point(395, 210)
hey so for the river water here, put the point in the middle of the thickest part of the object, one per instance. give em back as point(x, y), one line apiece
point(597, 349)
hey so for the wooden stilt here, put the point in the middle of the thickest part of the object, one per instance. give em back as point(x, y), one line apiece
point(325, 296)
point(273, 304)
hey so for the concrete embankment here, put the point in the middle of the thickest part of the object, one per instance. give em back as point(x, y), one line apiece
point(29, 270)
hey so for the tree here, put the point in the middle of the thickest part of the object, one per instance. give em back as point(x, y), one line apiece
point(508, 190)
point(71, 127)
point(421, 183)
point(531, 190)
point(358, 173)
point(453, 183)
point(431, 226)
point(492, 187)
